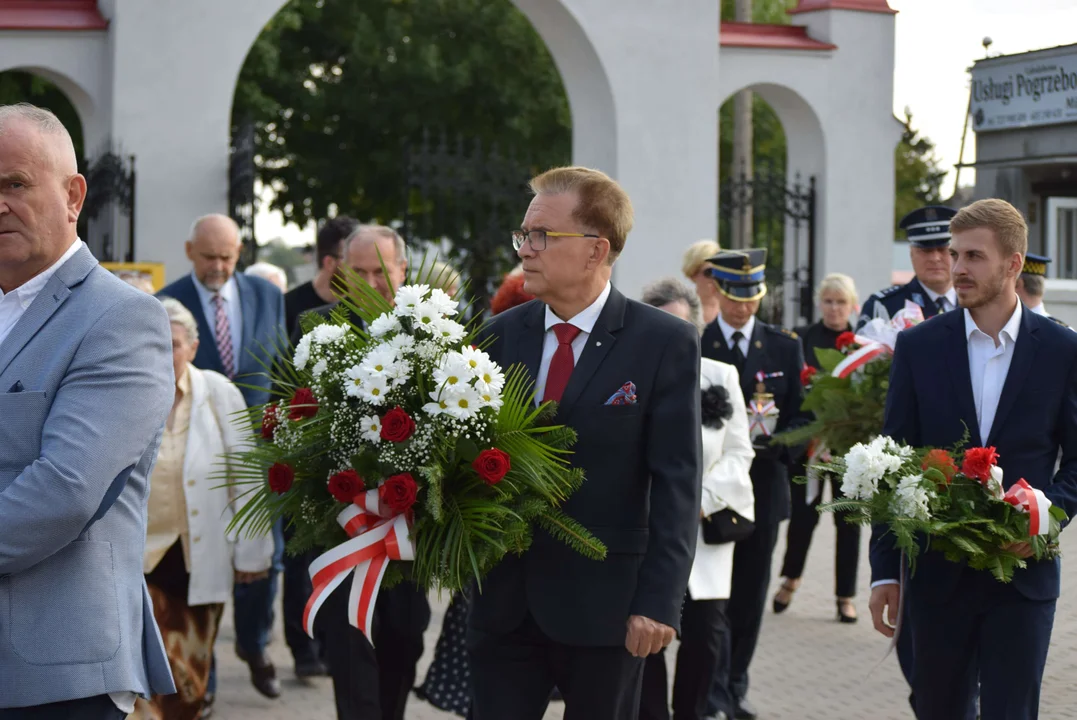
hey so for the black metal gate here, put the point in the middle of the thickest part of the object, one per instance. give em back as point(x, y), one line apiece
point(107, 221)
point(783, 221)
point(464, 200)
point(241, 173)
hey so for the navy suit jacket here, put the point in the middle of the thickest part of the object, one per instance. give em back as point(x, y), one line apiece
point(931, 395)
point(262, 305)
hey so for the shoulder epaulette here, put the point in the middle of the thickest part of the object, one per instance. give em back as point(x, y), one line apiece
point(778, 330)
point(889, 291)
point(1060, 322)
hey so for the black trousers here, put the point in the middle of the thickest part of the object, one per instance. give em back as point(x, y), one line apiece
point(100, 707)
point(296, 592)
point(513, 675)
point(369, 684)
point(798, 538)
point(702, 663)
point(751, 582)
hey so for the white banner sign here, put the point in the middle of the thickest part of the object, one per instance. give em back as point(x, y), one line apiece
point(1024, 92)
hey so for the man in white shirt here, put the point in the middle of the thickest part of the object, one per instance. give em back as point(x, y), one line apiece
point(1009, 382)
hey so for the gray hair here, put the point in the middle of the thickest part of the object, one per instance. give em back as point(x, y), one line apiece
point(44, 121)
point(1033, 284)
point(178, 314)
point(670, 290)
point(380, 231)
point(270, 272)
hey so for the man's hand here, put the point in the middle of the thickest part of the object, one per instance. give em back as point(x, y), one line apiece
point(1023, 550)
point(646, 637)
point(885, 597)
point(245, 578)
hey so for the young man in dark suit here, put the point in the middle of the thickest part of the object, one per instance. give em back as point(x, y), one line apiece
point(1010, 380)
point(241, 322)
point(552, 617)
point(769, 359)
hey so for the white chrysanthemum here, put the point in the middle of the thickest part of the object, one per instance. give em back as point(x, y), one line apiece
point(463, 403)
point(911, 498)
point(426, 317)
point(371, 427)
point(490, 399)
point(380, 361)
point(374, 389)
point(453, 373)
point(474, 357)
point(302, 353)
point(448, 331)
point(403, 343)
point(327, 333)
point(400, 373)
point(866, 465)
point(407, 297)
point(441, 301)
point(355, 379)
point(427, 350)
point(489, 377)
point(319, 368)
point(384, 324)
point(438, 406)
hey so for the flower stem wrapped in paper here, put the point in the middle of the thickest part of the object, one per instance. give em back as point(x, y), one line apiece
point(394, 439)
point(954, 499)
point(848, 397)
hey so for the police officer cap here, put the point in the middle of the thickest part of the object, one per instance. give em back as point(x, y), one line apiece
point(740, 274)
point(928, 227)
point(1035, 264)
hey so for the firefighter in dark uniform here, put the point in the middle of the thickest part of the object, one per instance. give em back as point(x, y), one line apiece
point(769, 360)
point(928, 231)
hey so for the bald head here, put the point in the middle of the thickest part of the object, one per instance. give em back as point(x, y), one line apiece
point(213, 250)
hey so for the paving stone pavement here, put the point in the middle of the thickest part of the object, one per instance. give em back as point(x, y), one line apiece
point(807, 666)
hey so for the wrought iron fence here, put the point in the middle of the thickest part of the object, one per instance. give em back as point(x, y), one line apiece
point(107, 221)
point(241, 195)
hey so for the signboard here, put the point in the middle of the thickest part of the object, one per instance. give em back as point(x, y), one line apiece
point(1025, 91)
point(142, 275)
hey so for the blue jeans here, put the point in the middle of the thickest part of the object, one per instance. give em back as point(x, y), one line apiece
point(253, 603)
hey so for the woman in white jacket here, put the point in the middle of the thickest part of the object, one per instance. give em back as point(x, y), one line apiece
point(190, 560)
point(704, 653)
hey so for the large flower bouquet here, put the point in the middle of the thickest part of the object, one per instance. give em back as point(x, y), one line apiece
point(954, 498)
point(396, 439)
point(848, 397)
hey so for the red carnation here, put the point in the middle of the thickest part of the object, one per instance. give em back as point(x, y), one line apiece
point(269, 421)
point(845, 340)
point(940, 460)
point(978, 463)
point(806, 374)
point(398, 492)
point(510, 294)
point(492, 465)
point(344, 486)
point(396, 425)
point(281, 476)
point(303, 405)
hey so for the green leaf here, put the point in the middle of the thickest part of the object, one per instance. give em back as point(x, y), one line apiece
point(467, 449)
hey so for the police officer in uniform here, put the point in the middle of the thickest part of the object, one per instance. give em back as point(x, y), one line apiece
point(769, 360)
point(928, 231)
point(1030, 285)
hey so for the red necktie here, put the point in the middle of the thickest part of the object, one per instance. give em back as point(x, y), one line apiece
point(562, 363)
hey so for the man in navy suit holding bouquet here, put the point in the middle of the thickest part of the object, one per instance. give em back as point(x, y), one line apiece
point(1010, 378)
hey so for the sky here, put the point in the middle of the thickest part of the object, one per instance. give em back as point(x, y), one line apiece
point(936, 42)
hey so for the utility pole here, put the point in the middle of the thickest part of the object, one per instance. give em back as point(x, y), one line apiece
point(742, 221)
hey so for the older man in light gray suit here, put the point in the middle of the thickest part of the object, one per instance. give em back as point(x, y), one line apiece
point(85, 387)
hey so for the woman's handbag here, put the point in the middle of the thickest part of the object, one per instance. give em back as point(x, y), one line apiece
point(726, 526)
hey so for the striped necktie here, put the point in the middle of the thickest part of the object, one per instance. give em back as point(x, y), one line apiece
point(223, 331)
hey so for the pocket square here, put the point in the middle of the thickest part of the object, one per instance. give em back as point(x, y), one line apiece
point(625, 396)
point(17, 387)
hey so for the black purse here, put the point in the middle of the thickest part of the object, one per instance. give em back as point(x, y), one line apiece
point(726, 526)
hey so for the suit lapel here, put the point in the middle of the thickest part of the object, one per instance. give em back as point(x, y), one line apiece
point(599, 344)
point(47, 302)
point(957, 359)
point(713, 344)
point(755, 360)
point(1024, 352)
point(524, 345)
point(207, 357)
point(248, 303)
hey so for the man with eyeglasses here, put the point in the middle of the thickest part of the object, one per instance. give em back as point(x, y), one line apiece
point(625, 377)
point(329, 252)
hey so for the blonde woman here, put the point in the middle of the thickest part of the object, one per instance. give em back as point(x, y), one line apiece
point(837, 300)
point(694, 267)
point(190, 562)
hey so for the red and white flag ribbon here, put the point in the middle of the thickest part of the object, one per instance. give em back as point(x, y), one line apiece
point(861, 357)
point(378, 536)
point(1028, 499)
point(759, 412)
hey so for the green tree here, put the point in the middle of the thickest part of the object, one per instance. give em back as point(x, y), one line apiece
point(17, 86)
point(774, 12)
point(919, 177)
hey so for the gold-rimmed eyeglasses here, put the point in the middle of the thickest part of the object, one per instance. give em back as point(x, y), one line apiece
point(537, 238)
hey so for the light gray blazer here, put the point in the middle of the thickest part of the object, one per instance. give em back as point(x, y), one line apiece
point(86, 385)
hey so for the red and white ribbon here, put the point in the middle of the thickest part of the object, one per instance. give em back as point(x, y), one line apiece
point(878, 337)
point(1028, 499)
point(866, 353)
point(377, 536)
point(759, 411)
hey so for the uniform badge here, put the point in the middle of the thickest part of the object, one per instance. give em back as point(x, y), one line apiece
point(918, 299)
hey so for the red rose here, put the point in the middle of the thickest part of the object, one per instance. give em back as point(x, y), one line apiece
point(940, 460)
point(281, 476)
point(806, 374)
point(269, 421)
point(492, 465)
point(396, 425)
point(398, 492)
point(344, 486)
point(978, 463)
point(845, 340)
point(303, 405)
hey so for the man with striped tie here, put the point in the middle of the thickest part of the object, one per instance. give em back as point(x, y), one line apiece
point(241, 319)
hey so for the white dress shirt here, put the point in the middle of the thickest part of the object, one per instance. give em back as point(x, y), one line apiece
point(950, 296)
point(585, 320)
point(727, 332)
point(13, 305)
point(230, 294)
point(1040, 310)
point(988, 365)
